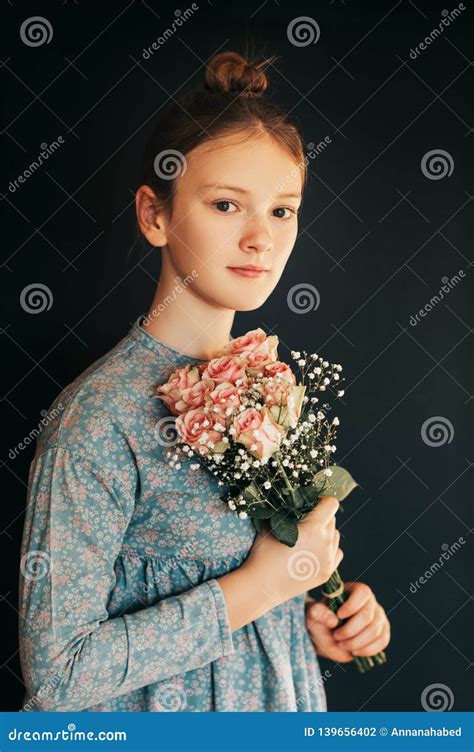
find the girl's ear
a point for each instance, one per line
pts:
(151, 221)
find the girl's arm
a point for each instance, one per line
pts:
(72, 654)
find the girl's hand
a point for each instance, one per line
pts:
(366, 632)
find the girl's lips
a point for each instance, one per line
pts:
(247, 272)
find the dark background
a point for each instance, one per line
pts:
(377, 236)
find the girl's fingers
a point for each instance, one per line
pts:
(319, 613)
(376, 646)
(359, 593)
(356, 623)
(366, 636)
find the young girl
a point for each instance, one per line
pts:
(139, 589)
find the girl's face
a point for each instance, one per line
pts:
(228, 212)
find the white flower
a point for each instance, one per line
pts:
(295, 354)
(313, 453)
(267, 485)
(325, 363)
(311, 417)
(340, 392)
(326, 380)
(232, 505)
(243, 515)
(320, 415)
(317, 370)
(301, 362)
(327, 472)
(336, 376)
(323, 388)
(335, 421)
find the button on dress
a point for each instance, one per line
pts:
(120, 605)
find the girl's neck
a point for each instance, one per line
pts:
(186, 322)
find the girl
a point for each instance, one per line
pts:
(139, 589)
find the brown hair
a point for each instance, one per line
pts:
(231, 100)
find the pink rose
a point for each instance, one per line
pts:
(257, 427)
(223, 397)
(288, 414)
(181, 379)
(280, 369)
(194, 396)
(226, 368)
(246, 343)
(264, 354)
(196, 429)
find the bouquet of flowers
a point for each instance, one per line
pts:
(246, 418)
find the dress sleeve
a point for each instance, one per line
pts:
(72, 654)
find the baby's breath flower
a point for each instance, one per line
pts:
(327, 471)
(243, 515)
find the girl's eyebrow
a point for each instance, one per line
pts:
(242, 190)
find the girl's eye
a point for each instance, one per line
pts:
(286, 208)
(224, 204)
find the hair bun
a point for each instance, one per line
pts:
(229, 71)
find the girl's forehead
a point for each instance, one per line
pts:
(246, 165)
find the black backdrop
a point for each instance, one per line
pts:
(384, 227)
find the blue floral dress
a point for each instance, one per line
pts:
(120, 606)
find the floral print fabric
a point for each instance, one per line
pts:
(120, 606)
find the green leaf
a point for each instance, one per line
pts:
(339, 484)
(257, 523)
(260, 511)
(252, 494)
(284, 528)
